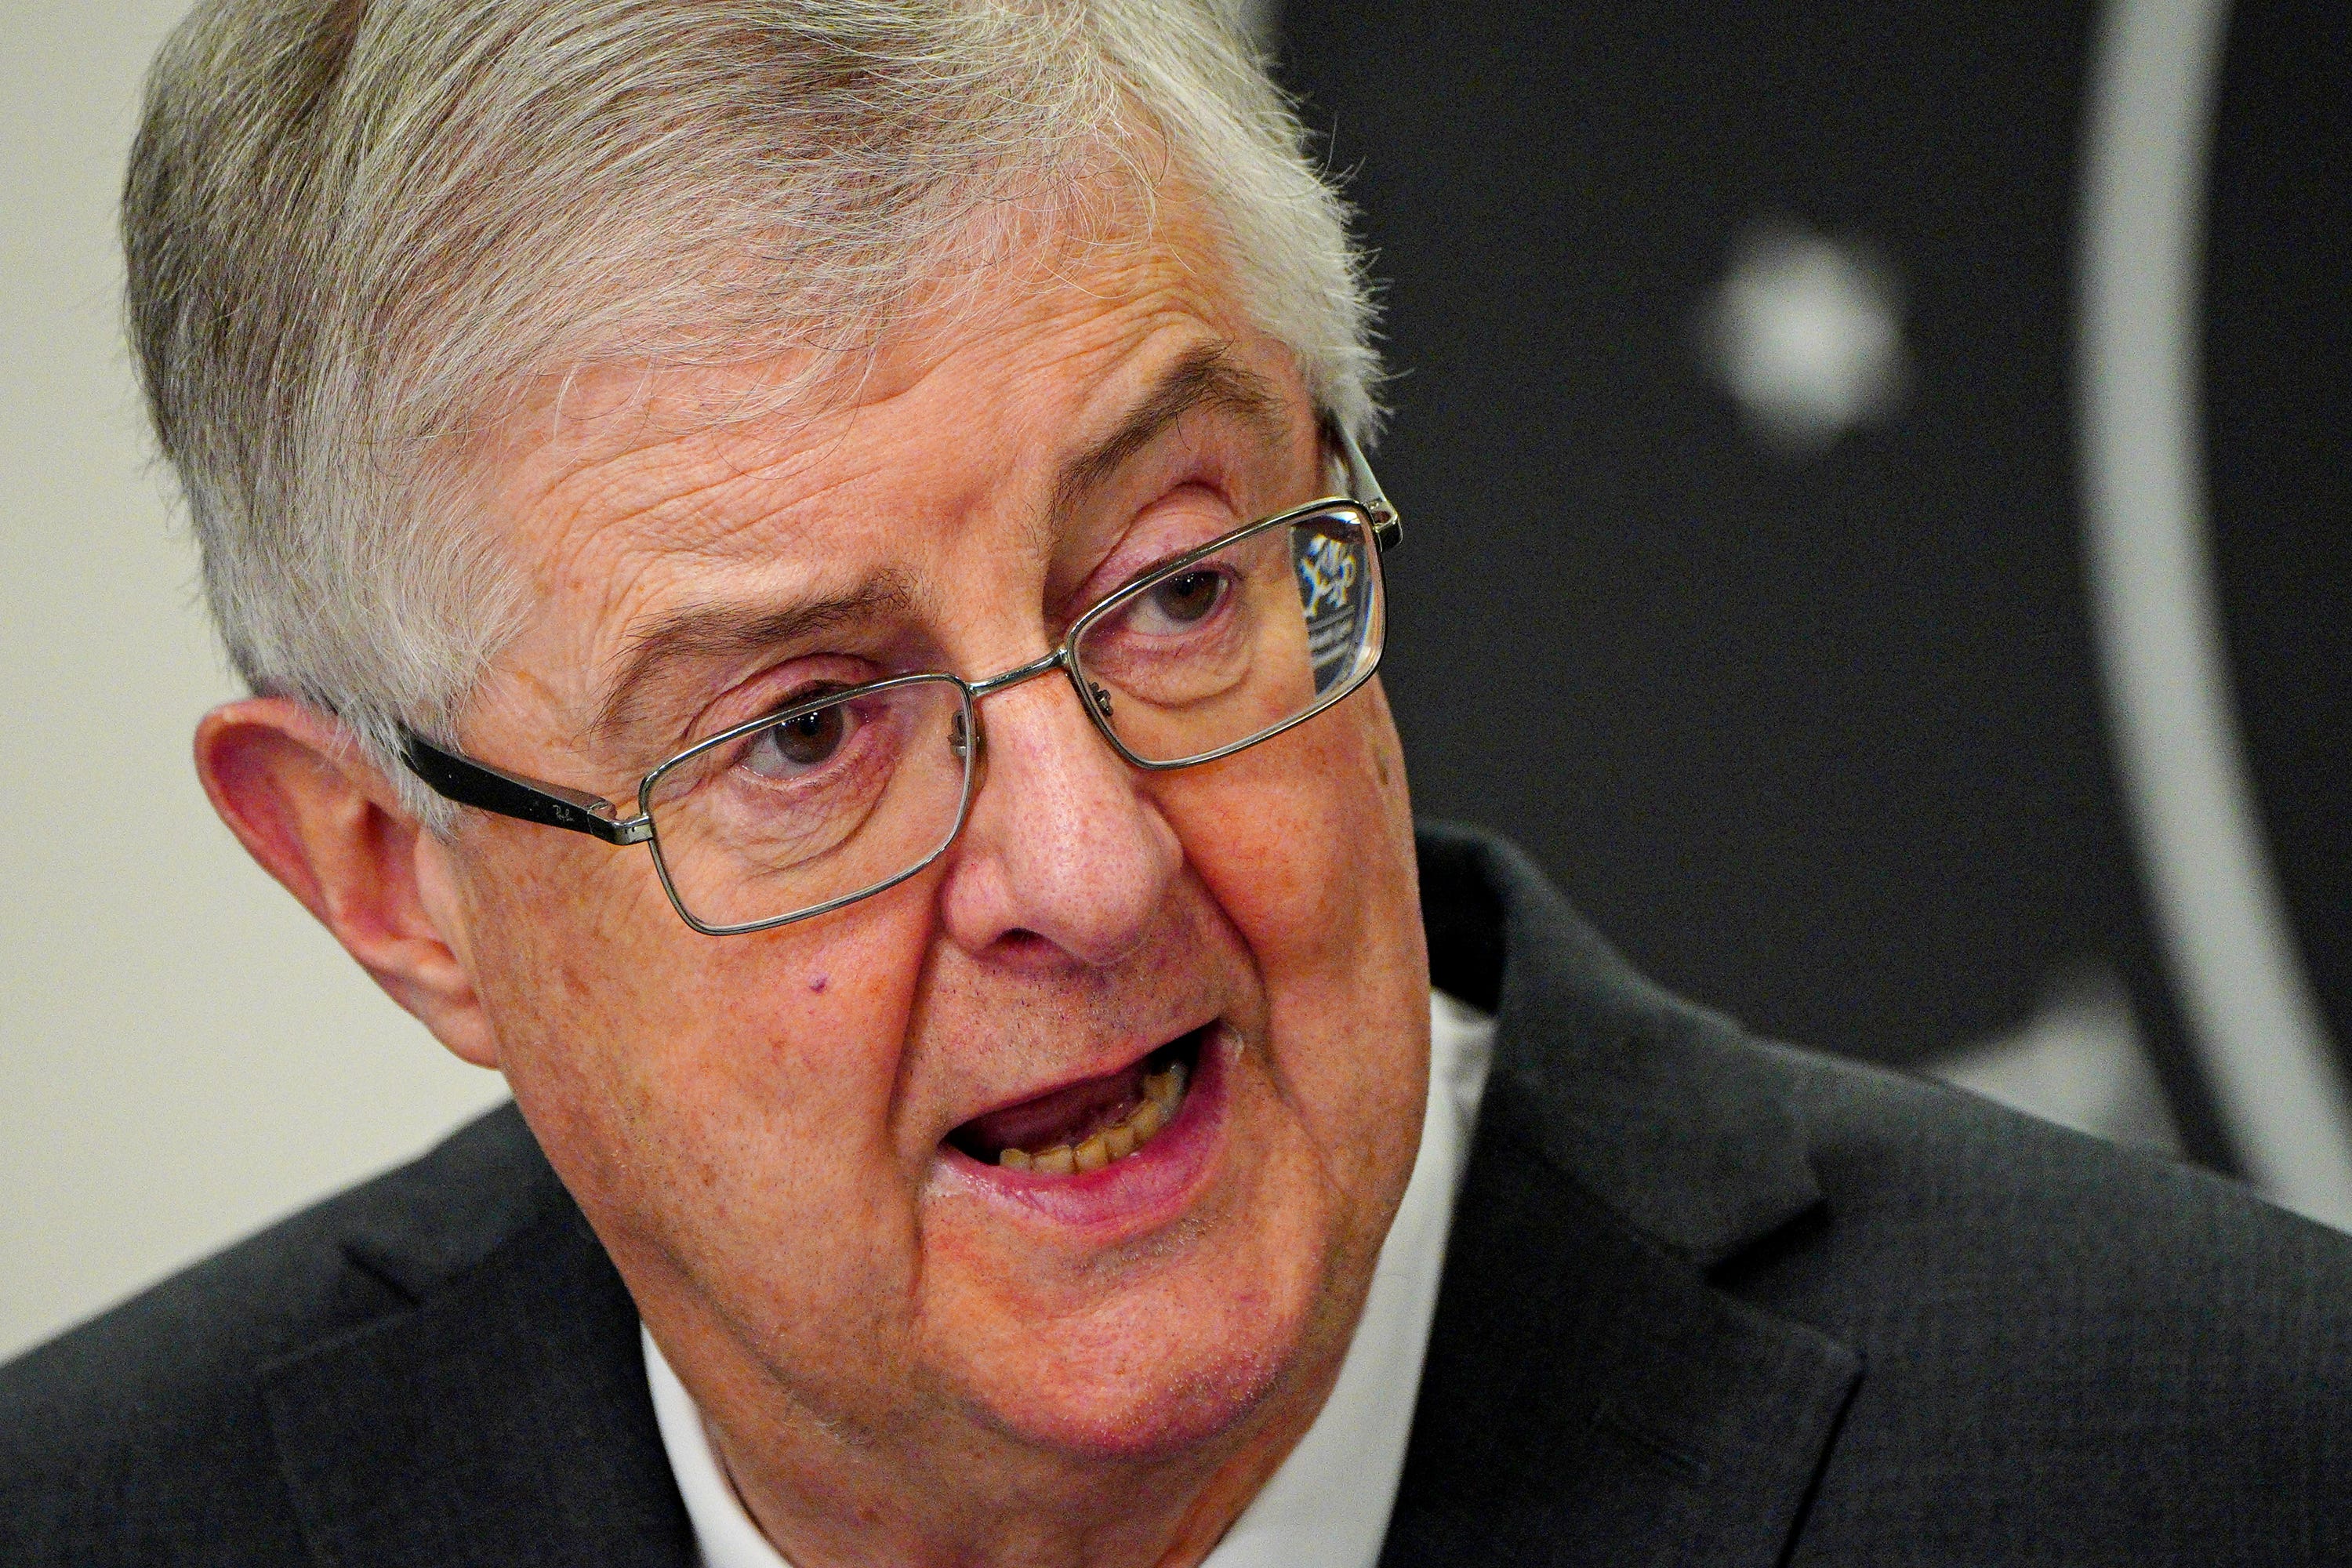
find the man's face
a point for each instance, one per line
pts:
(786, 1139)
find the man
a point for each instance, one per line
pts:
(978, 1093)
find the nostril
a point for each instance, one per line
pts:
(1022, 943)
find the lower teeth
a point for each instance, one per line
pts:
(1162, 1092)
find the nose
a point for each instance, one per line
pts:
(1063, 858)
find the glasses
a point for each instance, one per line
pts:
(850, 790)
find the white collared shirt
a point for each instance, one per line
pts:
(1327, 1506)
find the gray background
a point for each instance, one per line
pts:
(183, 1053)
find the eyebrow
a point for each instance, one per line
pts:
(1203, 377)
(730, 631)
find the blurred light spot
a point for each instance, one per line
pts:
(1806, 334)
(2079, 1062)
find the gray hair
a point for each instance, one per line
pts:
(352, 226)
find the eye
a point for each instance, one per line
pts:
(1183, 600)
(800, 744)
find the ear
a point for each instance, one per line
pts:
(305, 802)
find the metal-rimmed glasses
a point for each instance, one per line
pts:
(849, 790)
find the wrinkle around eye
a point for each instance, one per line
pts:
(1152, 541)
(672, 673)
(777, 689)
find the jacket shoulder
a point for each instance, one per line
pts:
(142, 1434)
(2065, 1342)
(1902, 1159)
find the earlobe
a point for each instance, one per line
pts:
(308, 807)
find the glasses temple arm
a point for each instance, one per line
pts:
(1388, 528)
(468, 783)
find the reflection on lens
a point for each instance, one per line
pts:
(1213, 654)
(1331, 570)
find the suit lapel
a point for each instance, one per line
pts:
(502, 1419)
(1590, 1399)
(1590, 1395)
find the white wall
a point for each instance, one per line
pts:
(183, 1054)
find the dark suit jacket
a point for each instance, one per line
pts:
(1708, 1301)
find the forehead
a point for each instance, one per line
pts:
(665, 450)
(621, 494)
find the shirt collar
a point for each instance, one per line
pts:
(1327, 1506)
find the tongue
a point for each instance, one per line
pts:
(1066, 1116)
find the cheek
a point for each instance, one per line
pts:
(1307, 842)
(717, 1104)
(1308, 849)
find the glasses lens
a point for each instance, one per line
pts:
(1214, 653)
(822, 801)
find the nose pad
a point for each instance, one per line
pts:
(960, 738)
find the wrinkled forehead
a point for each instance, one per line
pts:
(623, 496)
(1031, 311)
(1056, 302)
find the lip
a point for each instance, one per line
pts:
(1139, 1191)
(1128, 1062)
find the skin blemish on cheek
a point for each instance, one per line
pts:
(817, 981)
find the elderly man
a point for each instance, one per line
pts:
(813, 596)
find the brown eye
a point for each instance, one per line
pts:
(806, 741)
(1187, 596)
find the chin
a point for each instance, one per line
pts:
(1177, 1344)
(1133, 1406)
(1170, 1357)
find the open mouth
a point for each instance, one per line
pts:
(1089, 1125)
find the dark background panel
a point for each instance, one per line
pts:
(2278, 376)
(1816, 737)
